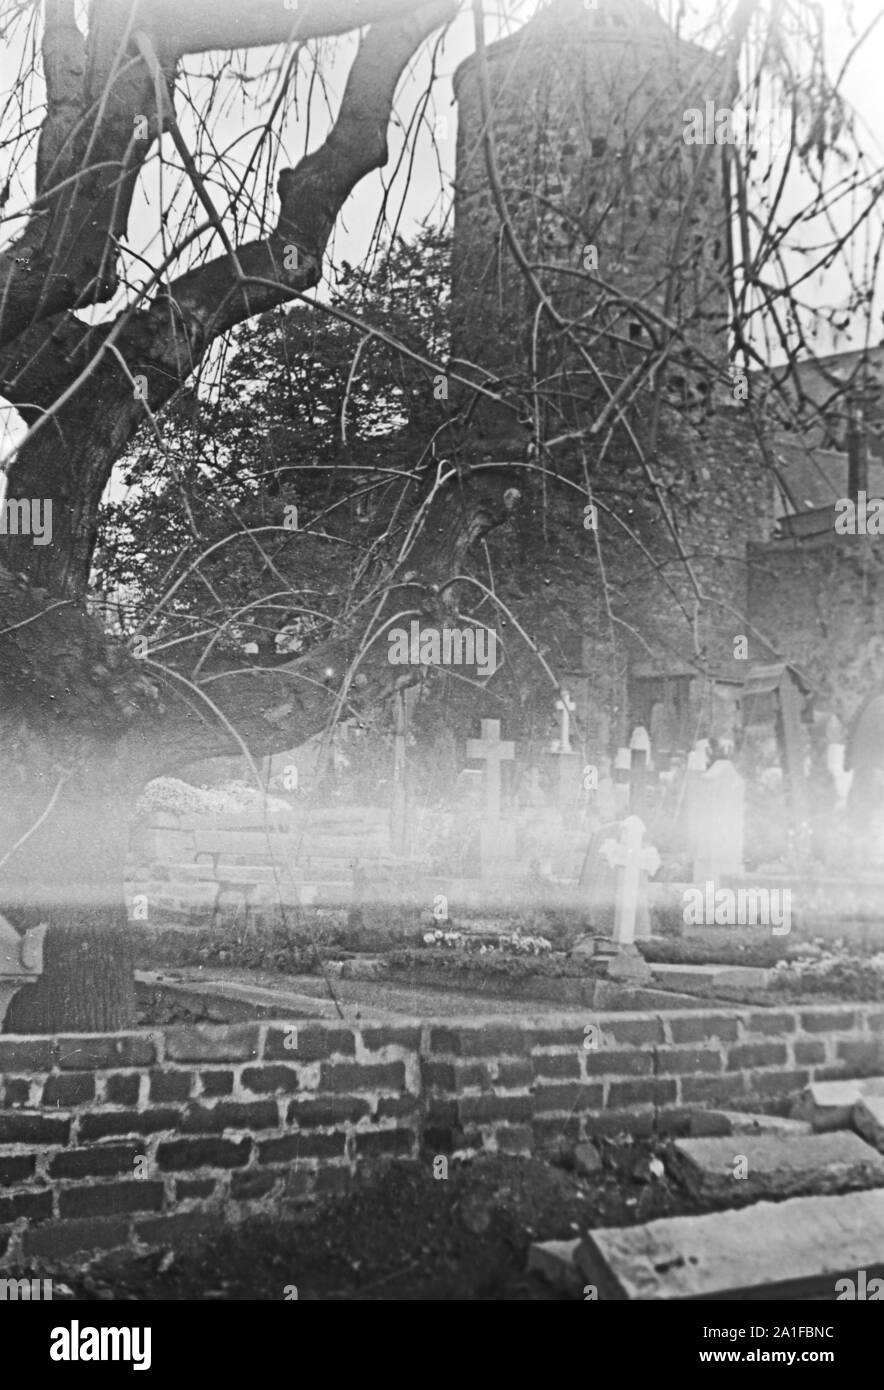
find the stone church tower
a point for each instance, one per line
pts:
(623, 225)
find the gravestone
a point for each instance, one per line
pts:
(716, 821)
(568, 765)
(496, 837)
(620, 898)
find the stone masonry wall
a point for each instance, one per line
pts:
(142, 1139)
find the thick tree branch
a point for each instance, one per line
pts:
(167, 342)
(96, 139)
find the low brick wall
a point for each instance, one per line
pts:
(142, 1139)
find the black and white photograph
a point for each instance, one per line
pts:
(441, 667)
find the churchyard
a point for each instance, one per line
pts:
(564, 1038)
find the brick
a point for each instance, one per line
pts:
(315, 1044)
(687, 1061)
(62, 1238)
(810, 1053)
(485, 1109)
(444, 1112)
(100, 1053)
(203, 1153)
(624, 1093)
(228, 1114)
(515, 1139)
(251, 1185)
(828, 1021)
(549, 1132)
(268, 1079)
(757, 1055)
(211, 1043)
(170, 1085)
(866, 1056)
(605, 1063)
(187, 1189)
(638, 1121)
(439, 1074)
(386, 1141)
(349, 1076)
(294, 1146)
(28, 1056)
(23, 1127)
(569, 1096)
(110, 1199)
(472, 1074)
(17, 1091)
(495, 1039)
(394, 1107)
(179, 1229)
(33, 1206)
(711, 1089)
(440, 1139)
(775, 1083)
(637, 1031)
(566, 1035)
(17, 1168)
(697, 1028)
(768, 1021)
(78, 1089)
(122, 1088)
(519, 1073)
(99, 1123)
(392, 1035)
(99, 1161)
(217, 1083)
(327, 1110)
(791, 1250)
(556, 1064)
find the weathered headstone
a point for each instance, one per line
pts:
(717, 822)
(632, 862)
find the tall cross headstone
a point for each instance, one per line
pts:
(492, 750)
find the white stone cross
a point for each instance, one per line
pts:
(630, 860)
(566, 708)
(493, 752)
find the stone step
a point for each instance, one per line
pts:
(743, 1168)
(829, 1104)
(797, 1249)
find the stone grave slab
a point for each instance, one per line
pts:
(708, 1123)
(775, 1165)
(773, 1250)
(829, 1104)
(712, 976)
